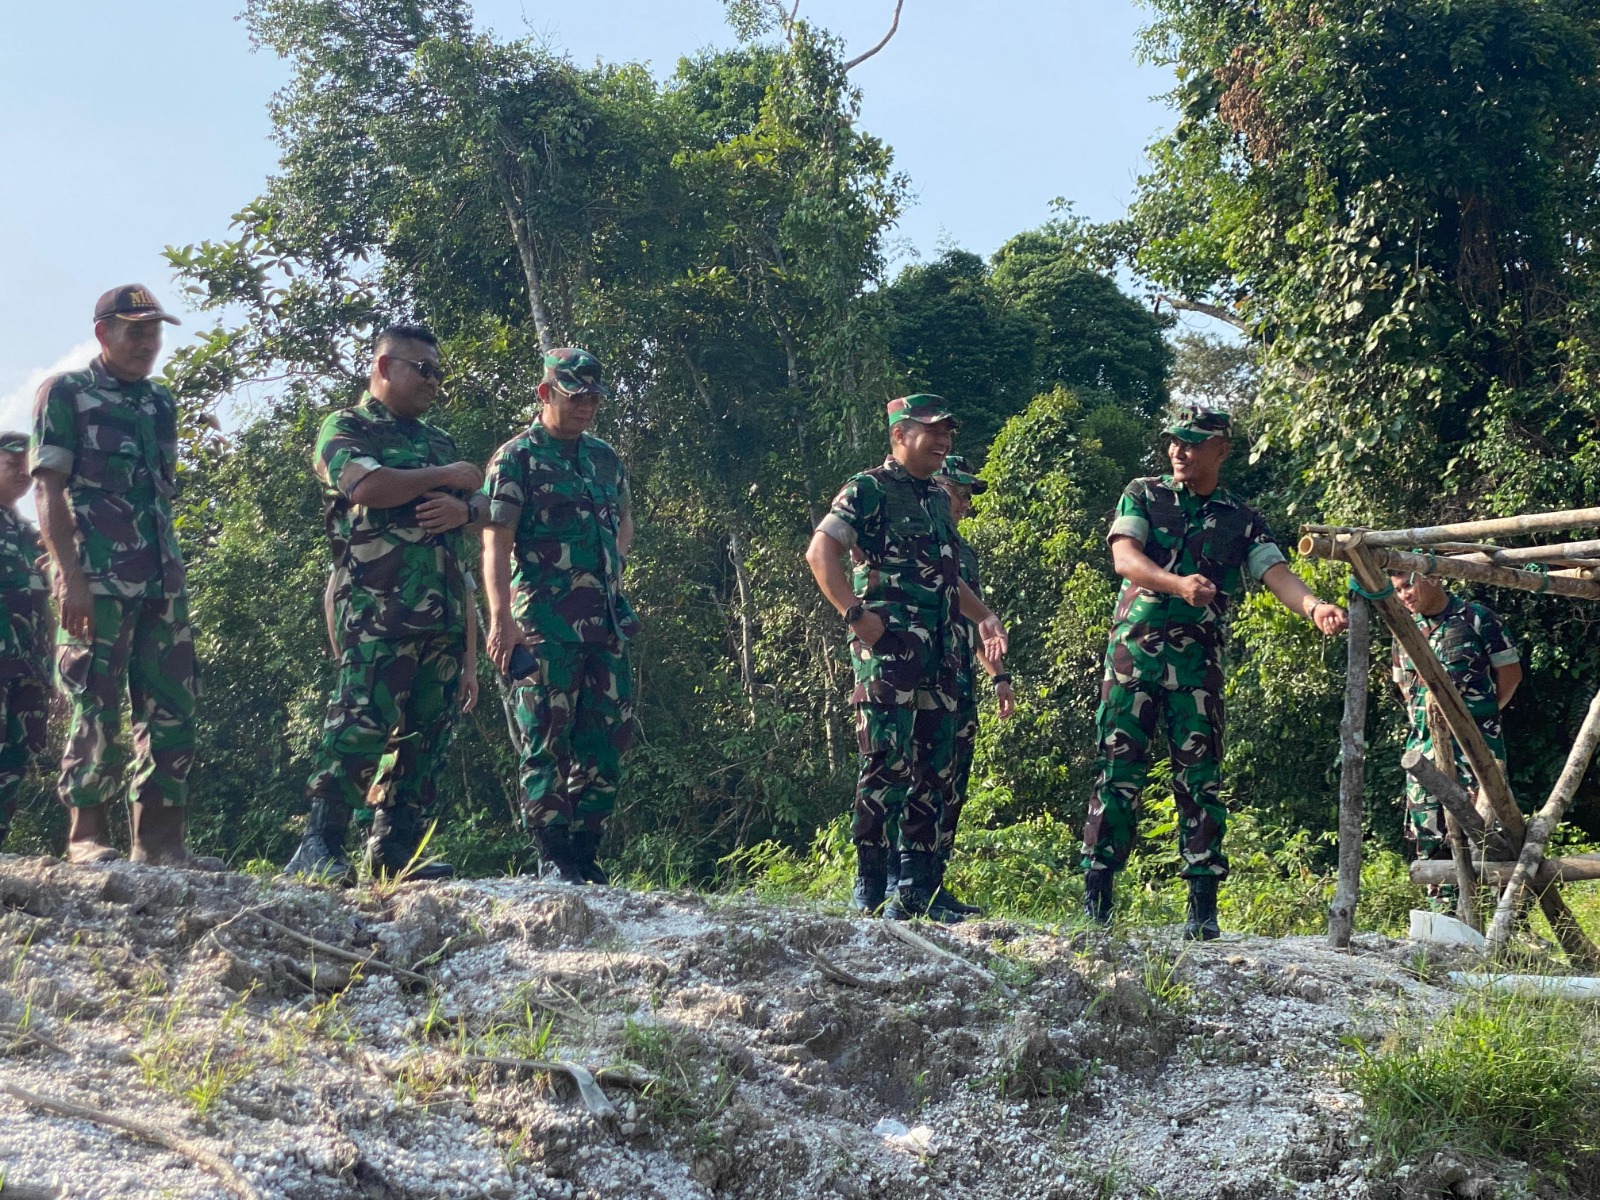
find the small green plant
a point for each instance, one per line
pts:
(681, 1091)
(199, 1069)
(1163, 981)
(1498, 1075)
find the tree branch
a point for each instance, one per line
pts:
(1211, 310)
(893, 26)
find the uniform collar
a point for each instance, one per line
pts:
(377, 410)
(104, 379)
(1221, 496)
(1452, 605)
(896, 471)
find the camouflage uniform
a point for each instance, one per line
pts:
(117, 443)
(1470, 643)
(565, 500)
(401, 599)
(902, 540)
(24, 654)
(1164, 659)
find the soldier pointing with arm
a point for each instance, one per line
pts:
(1183, 546)
(901, 609)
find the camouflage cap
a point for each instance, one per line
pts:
(12, 442)
(1191, 423)
(920, 407)
(573, 371)
(131, 302)
(956, 470)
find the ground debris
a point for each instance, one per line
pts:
(514, 1038)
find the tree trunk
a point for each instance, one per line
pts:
(747, 624)
(1352, 774)
(1444, 761)
(511, 201)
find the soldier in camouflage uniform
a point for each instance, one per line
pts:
(24, 632)
(398, 497)
(901, 608)
(960, 485)
(104, 455)
(560, 527)
(1183, 546)
(1485, 667)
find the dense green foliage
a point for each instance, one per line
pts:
(1394, 202)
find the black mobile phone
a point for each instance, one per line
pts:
(524, 662)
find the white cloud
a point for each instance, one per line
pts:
(16, 406)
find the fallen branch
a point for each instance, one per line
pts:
(839, 975)
(339, 952)
(156, 1135)
(1577, 868)
(911, 937)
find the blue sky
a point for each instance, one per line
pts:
(126, 128)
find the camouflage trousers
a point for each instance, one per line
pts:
(966, 742)
(143, 649)
(575, 714)
(1127, 717)
(24, 715)
(1424, 815)
(394, 703)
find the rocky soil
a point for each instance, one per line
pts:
(513, 1038)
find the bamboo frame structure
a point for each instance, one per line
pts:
(1497, 846)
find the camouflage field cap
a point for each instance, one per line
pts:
(921, 407)
(573, 371)
(131, 302)
(12, 442)
(1195, 424)
(956, 470)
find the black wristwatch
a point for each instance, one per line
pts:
(854, 613)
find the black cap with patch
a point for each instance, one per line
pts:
(131, 302)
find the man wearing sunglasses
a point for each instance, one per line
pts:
(397, 498)
(560, 526)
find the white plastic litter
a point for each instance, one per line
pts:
(918, 1139)
(1560, 987)
(1442, 930)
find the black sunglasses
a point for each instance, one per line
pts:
(428, 370)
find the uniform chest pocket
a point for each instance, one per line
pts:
(556, 515)
(401, 455)
(110, 472)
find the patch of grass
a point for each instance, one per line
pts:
(685, 1089)
(1500, 1076)
(1163, 981)
(199, 1068)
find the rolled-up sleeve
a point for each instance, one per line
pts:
(1133, 516)
(53, 440)
(502, 483)
(848, 514)
(342, 458)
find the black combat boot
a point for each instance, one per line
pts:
(919, 877)
(392, 845)
(872, 879)
(557, 854)
(321, 852)
(946, 906)
(584, 843)
(1097, 898)
(1202, 923)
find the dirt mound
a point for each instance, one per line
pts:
(514, 1038)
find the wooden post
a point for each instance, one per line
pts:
(1352, 774)
(1542, 826)
(1444, 761)
(1449, 793)
(1574, 868)
(1494, 793)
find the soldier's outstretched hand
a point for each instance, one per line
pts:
(994, 637)
(1331, 619)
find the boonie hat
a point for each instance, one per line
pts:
(131, 302)
(573, 371)
(956, 470)
(1194, 424)
(920, 407)
(12, 442)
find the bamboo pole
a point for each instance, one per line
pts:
(1562, 552)
(1466, 531)
(1352, 774)
(1493, 789)
(1444, 759)
(1337, 546)
(1576, 868)
(1448, 792)
(1543, 825)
